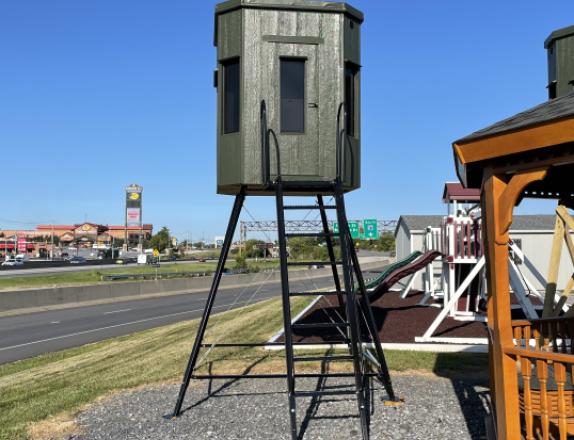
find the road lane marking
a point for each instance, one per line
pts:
(117, 311)
(109, 327)
(55, 322)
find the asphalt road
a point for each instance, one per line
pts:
(30, 335)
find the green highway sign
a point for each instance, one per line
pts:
(365, 230)
(354, 229)
(371, 229)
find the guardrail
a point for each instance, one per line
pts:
(172, 275)
(153, 276)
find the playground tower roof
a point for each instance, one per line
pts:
(455, 191)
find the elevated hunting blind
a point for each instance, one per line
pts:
(288, 66)
(560, 47)
(288, 124)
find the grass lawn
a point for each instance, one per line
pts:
(60, 383)
(95, 276)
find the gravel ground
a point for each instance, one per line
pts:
(434, 408)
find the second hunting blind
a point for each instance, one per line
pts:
(289, 66)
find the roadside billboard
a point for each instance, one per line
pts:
(133, 216)
(134, 205)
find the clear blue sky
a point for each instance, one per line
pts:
(97, 95)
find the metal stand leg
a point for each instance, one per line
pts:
(286, 308)
(239, 199)
(332, 257)
(354, 330)
(369, 316)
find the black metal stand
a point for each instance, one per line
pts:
(354, 309)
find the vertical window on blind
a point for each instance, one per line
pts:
(231, 96)
(351, 72)
(292, 95)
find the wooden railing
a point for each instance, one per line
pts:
(544, 355)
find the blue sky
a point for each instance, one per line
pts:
(97, 95)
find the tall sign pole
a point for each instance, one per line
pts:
(133, 217)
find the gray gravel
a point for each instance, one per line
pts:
(434, 408)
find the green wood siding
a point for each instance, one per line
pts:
(261, 37)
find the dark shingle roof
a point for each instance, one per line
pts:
(557, 34)
(420, 222)
(298, 5)
(520, 223)
(554, 109)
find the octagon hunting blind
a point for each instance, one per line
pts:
(302, 59)
(288, 123)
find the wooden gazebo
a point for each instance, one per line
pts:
(531, 361)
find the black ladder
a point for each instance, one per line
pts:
(354, 308)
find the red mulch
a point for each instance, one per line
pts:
(399, 321)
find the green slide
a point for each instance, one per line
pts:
(391, 268)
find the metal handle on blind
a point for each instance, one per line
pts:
(265, 154)
(342, 140)
(339, 145)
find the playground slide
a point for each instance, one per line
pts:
(391, 268)
(416, 264)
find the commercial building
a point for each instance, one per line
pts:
(81, 234)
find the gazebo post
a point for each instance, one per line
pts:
(505, 393)
(498, 200)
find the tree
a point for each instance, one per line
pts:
(386, 242)
(240, 263)
(160, 241)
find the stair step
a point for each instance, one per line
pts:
(318, 293)
(335, 357)
(306, 207)
(320, 325)
(323, 393)
(313, 263)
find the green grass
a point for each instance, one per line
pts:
(95, 276)
(60, 383)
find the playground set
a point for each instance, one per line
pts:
(461, 289)
(288, 83)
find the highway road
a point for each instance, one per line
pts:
(30, 335)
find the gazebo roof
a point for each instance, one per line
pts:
(545, 130)
(549, 111)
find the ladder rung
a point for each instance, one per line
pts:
(320, 325)
(312, 263)
(336, 357)
(311, 234)
(323, 393)
(318, 293)
(309, 207)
